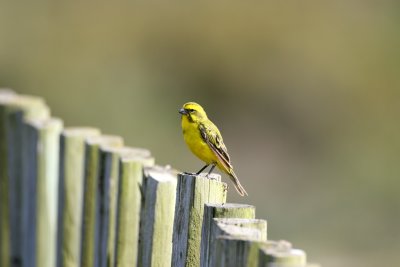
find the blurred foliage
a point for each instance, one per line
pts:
(306, 94)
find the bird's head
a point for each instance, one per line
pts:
(193, 111)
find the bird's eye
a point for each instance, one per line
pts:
(191, 110)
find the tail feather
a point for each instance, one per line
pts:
(239, 188)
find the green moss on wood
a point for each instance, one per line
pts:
(192, 193)
(157, 216)
(281, 254)
(46, 138)
(211, 211)
(91, 179)
(129, 205)
(73, 155)
(236, 251)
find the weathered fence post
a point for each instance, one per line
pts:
(211, 211)
(256, 229)
(233, 241)
(108, 198)
(70, 204)
(129, 205)
(281, 254)
(41, 162)
(193, 191)
(235, 251)
(157, 217)
(115, 208)
(5, 98)
(91, 206)
(15, 109)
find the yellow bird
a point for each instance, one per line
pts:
(205, 141)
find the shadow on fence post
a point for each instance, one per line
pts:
(5, 98)
(14, 111)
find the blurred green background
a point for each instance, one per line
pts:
(305, 93)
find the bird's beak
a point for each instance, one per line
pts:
(183, 111)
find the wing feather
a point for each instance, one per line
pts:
(211, 135)
(213, 138)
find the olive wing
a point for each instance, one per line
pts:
(211, 135)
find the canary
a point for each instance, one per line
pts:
(205, 141)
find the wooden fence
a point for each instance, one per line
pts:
(75, 197)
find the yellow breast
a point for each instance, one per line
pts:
(195, 142)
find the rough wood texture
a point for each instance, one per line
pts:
(211, 211)
(193, 191)
(157, 218)
(14, 110)
(109, 195)
(129, 205)
(281, 254)
(70, 204)
(5, 98)
(91, 227)
(41, 168)
(236, 251)
(107, 200)
(241, 232)
(253, 228)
